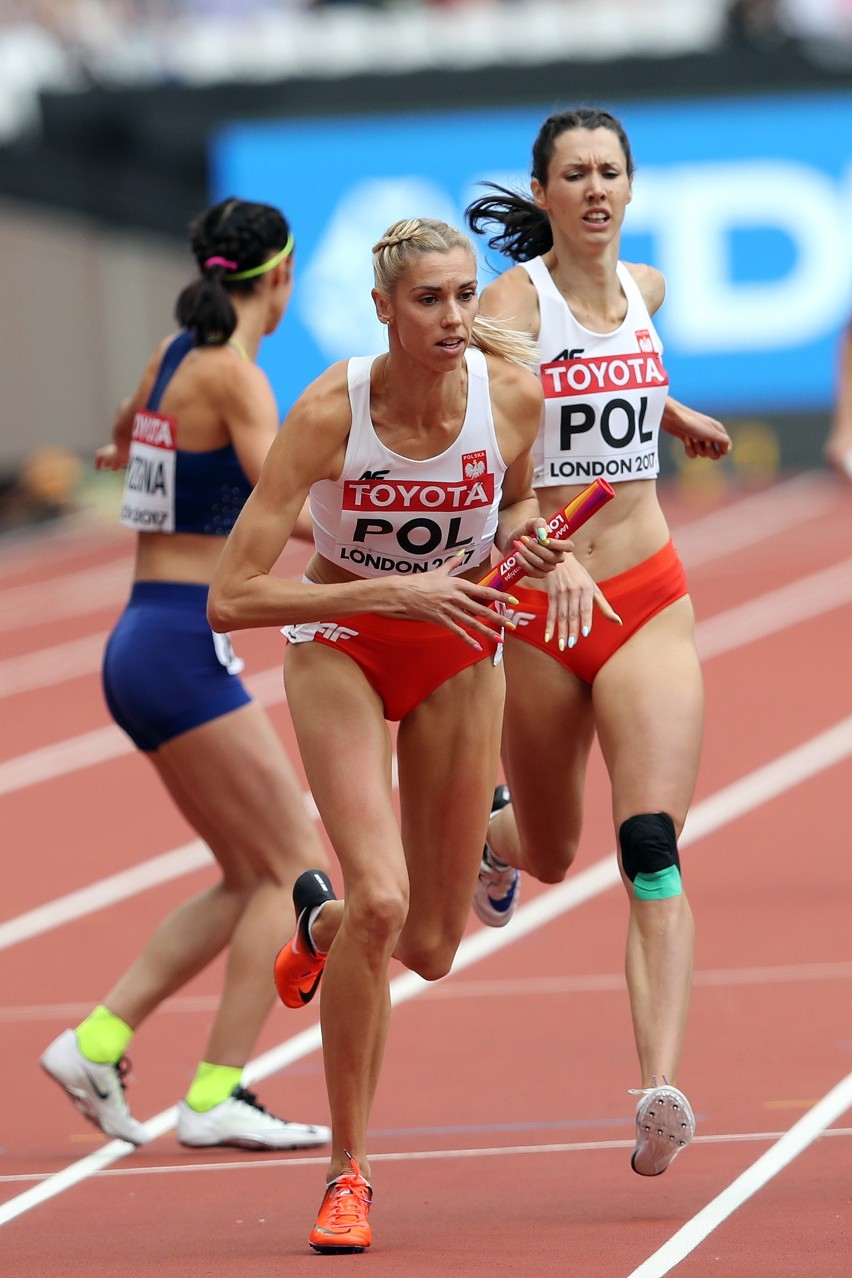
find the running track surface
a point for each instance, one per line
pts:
(503, 1127)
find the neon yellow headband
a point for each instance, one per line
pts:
(266, 266)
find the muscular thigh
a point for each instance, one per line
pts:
(448, 752)
(649, 710)
(548, 729)
(234, 783)
(346, 750)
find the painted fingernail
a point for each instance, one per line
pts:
(571, 641)
(548, 635)
(561, 645)
(513, 625)
(586, 630)
(541, 533)
(513, 600)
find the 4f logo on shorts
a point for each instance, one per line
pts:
(333, 633)
(518, 618)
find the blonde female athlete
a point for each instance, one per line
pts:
(193, 438)
(417, 461)
(637, 685)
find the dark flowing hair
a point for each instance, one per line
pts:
(231, 237)
(525, 228)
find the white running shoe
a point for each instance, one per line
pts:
(242, 1121)
(96, 1090)
(665, 1124)
(498, 888)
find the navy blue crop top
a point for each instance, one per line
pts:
(168, 489)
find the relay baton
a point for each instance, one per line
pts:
(563, 523)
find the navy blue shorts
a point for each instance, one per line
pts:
(164, 670)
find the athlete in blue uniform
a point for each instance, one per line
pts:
(638, 686)
(193, 438)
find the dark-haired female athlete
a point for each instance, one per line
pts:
(193, 438)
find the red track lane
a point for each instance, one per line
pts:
(502, 1128)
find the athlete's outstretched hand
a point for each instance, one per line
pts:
(702, 436)
(460, 605)
(108, 458)
(572, 596)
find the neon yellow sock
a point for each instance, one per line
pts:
(103, 1037)
(212, 1084)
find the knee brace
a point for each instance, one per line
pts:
(649, 856)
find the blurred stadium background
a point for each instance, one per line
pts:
(121, 119)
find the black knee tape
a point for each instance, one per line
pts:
(649, 853)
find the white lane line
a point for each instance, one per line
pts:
(792, 1143)
(47, 667)
(755, 518)
(31, 549)
(108, 891)
(750, 520)
(413, 1155)
(103, 744)
(73, 595)
(118, 887)
(789, 605)
(63, 757)
(717, 811)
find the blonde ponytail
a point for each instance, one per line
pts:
(496, 338)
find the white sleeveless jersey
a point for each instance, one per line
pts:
(387, 513)
(604, 393)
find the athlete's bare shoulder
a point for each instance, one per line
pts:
(325, 397)
(652, 284)
(516, 399)
(512, 298)
(321, 417)
(506, 377)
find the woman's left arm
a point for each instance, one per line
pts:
(702, 436)
(516, 401)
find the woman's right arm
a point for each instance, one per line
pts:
(113, 456)
(310, 447)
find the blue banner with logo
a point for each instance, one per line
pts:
(744, 204)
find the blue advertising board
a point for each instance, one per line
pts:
(744, 204)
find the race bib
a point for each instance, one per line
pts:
(148, 502)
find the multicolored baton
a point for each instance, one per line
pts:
(563, 523)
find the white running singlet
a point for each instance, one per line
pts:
(388, 513)
(604, 393)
